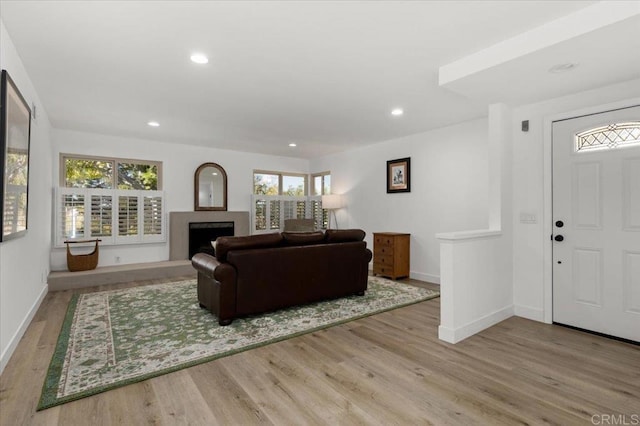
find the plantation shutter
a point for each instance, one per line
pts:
(295, 208)
(319, 214)
(301, 209)
(268, 212)
(114, 216)
(71, 210)
(101, 215)
(127, 215)
(288, 209)
(274, 214)
(153, 225)
(259, 207)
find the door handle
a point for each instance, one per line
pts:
(559, 224)
(558, 238)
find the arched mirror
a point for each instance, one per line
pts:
(210, 188)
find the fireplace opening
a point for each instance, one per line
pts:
(202, 234)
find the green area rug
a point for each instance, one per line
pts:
(114, 338)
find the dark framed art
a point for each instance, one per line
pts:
(15, 132)
(399, 175)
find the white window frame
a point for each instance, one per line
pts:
(282, 199)
(313, 182)
(140, 237)
(115, 161)
(280, 179)
(325, 215)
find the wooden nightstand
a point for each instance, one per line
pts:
(391, 253)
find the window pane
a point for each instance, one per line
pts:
(265, 184)
(317, 185)
(293, 185)
(88, 173)
(15, 196)
(607, 137)
(326, 189)
(137, 176)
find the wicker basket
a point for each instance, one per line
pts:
(82, 262)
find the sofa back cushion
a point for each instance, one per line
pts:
(344, 235)
(226, 244)
(272, 278)
(303, 238)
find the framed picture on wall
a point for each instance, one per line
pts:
(399, 175)
(15, 131)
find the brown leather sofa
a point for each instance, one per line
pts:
(261, 273)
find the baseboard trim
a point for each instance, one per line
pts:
(446, 334)
(528, 312)
(13, 343)
(430, 278)
(456, 335)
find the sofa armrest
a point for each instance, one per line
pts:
(213, 268)
(368, 255)
(216, 286)
(205, 263)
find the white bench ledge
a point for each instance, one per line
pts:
(468, 235)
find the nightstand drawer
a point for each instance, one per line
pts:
(383, 250)
(383, 260)
(386, 241)
(382, 269)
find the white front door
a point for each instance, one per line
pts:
(596, 222)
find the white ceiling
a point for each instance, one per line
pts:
(324, 75)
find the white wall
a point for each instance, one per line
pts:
(449, 189)
(532, 186)
(24, 262)
(476, 289)
(477, 271)
(179, 163)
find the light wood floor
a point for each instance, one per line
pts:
(385, 369)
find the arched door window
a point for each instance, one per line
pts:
(610, 136)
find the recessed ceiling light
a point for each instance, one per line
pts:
(199, 58)
(214, 173)
(292, 145)
(397, 111)
(556, 69)
(153, 124)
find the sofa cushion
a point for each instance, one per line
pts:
(226, 244)
(344, 235)
(303, 238)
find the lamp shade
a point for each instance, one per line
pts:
(332, 202)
